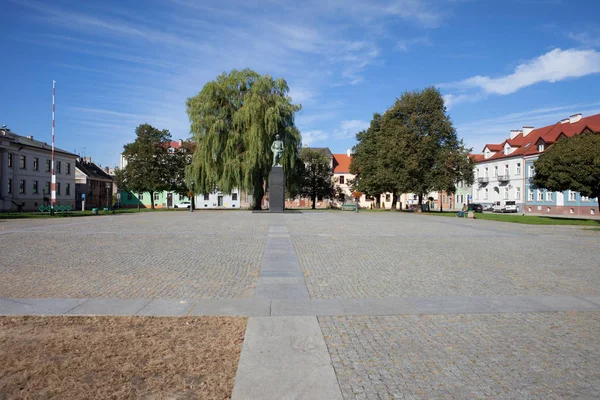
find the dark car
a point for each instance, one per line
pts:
(476, 207)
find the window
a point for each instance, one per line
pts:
(234, 196)
(9, 185)
(156, 196)
(47, 188)
(68, 189)
(477, 194)
(486, 172)
(47, 165)
(141, 196)
(477, 173)
(541, 147)
(68, 168)
(585, 198)
(496, 171)
(57, 188)
(485, 194)
(387, 197)
(518, 194)
(181, 197)
(10, 160)
(36, 164)
(572, 195)
(206, 196)
(58, 167)
(518, 169)
(506, 170)
(22, 161)
(540, 196)
(457, 197)
(531, 171)
(571, 211)
(505, 193)
(21, 186)
(530, 194)
(341, 180)
(548, 195)
(35, 187)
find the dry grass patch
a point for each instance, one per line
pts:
(119, 357)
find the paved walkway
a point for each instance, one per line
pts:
(367, 306)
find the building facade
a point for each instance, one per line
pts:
(25, 173)
(504, 171)
(93, 185)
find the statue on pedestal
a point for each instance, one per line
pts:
(277, 149)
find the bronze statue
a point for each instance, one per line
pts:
(277, 149)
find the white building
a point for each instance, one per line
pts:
(25, 173)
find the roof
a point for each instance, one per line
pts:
(92, 170)
(526, 145)
(324, 150)
(341, 163)
(476, 157)
(26, 141)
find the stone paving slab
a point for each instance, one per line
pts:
(307, 308)
(285, 358)
(232, 307)
(38, 306)
(167, 307)
(120, 307)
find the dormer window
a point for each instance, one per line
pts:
(171, 150)
(541, 147)
(507, 149)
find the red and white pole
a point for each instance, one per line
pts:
(53, 184)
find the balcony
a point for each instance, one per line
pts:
(483, 179)
(503, 178)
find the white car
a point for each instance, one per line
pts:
(183, 204)
(509, 206)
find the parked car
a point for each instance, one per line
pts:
(508, 206)
(488, 207)
(183, 204)
(476, 207)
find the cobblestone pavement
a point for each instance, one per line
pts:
(483, 356)
(374, 255)
(148, 255)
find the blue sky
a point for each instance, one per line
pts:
(501, 64)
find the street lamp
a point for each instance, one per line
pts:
(107, 185)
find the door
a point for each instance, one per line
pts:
(220, 201)
(169, 200)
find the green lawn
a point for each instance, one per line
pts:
(525, 219)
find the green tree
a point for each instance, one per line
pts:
(148, 162)
(234, 120)
(571, 164)
(317, 180)
(412, 148)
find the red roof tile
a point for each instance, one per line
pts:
(341, 164)
(526, 145)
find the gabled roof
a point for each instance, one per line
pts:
(476, 157)
(526, 145)
(341, 163)
(494, 147)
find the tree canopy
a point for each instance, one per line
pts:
(316, 181)
(234, 120)
(571, 164)
(412, 148)
(148, 166)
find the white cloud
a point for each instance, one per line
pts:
(450, 100)
(554, 66)
(586, 39)
(405, 44)
(310, 137)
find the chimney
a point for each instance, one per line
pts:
(527, 130)
(180, 142)
(564, 121)
(87, 159)
(29, 137)
(107, 170)
(514, 133)
(348, 153)
(575, 118)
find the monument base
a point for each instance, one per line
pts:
(276, 189)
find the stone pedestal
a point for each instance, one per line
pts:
(276, 190)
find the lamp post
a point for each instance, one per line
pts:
(107, 185)
(191, 195)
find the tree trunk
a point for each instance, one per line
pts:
(258, 193)
(441, 202)
(420, 209)
(139, 201)
(378, 201)
(152, 200)
(313, 199)
(394, 200)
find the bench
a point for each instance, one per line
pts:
(349, 207)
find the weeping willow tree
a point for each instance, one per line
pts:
(234, 120)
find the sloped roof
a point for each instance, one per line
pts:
(526, 145)
(92, 171)
(341, 163)
(25, 141)
(476, 157)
